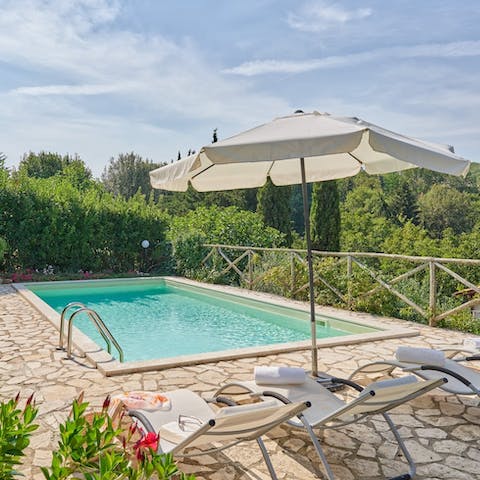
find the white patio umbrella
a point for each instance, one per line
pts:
(303, 148)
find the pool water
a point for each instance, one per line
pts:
(165, 319)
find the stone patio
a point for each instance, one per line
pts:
(442, 431)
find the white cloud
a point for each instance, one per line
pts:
(81, 69)
(321, 15)
(436, 50)
(70, 89)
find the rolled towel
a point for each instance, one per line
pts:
(279, 375)
(472, 342)
(422, 356)
(394, 382)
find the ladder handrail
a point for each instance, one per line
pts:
(99, 325)
(93, 320)
(62, 321)
(107, 331)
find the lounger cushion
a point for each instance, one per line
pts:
(422, 356)
(394, 382)
(225, 411)
(174, 433)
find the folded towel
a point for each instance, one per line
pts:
(422, 356)
(279, 375)
(472, 342)
(394, 382)
(141, 400)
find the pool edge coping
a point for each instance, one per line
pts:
(109, 366)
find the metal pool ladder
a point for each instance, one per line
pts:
(97, 322)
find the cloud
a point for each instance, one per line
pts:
(70, 89)
(435, 50)
(321, 15)
(83, 82)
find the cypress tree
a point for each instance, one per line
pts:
(273, 204)
(325, 217)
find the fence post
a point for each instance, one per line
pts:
(349, 281)
(250, 270)
(292, 274)
(432, 300)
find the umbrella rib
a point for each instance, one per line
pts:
(355, 158)
(270, 168)
(203, 171)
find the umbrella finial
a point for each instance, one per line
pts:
(299, 111)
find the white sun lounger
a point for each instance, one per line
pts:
(462, 380)
(191, 422)
(329, 411)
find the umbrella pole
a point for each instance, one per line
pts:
(313, 324)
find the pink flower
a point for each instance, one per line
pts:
(150, 441)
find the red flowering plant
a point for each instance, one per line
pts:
(16, 428)
(102, 445)
(22, 276)
(148, 443)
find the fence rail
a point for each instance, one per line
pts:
(240, 261)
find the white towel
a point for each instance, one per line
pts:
(472, 342)
(422, 356)
(279, 375)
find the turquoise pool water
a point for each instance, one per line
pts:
(161, 319)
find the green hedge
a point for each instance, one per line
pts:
(51, 222)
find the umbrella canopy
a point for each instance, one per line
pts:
(333, 147)
(303, 148)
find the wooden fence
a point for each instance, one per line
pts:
(239, 261)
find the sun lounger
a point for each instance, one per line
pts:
(192, 422)
(430, 364)
(329, 411)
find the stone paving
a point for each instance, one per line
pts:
(442, 431)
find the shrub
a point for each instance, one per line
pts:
(51, 222)
(16, 427)
(229, 226)
(3, 248)
(93, 447)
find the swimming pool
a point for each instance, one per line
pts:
(161, 318)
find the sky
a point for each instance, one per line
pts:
(102, 77)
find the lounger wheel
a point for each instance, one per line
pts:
(405, 476)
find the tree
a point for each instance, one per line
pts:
(273, 204)
(325, 216)
(179, 203)
(48, 164)
(445, 207)
(41, 165)
(363, 217)
(401, 202)
(128, 174)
